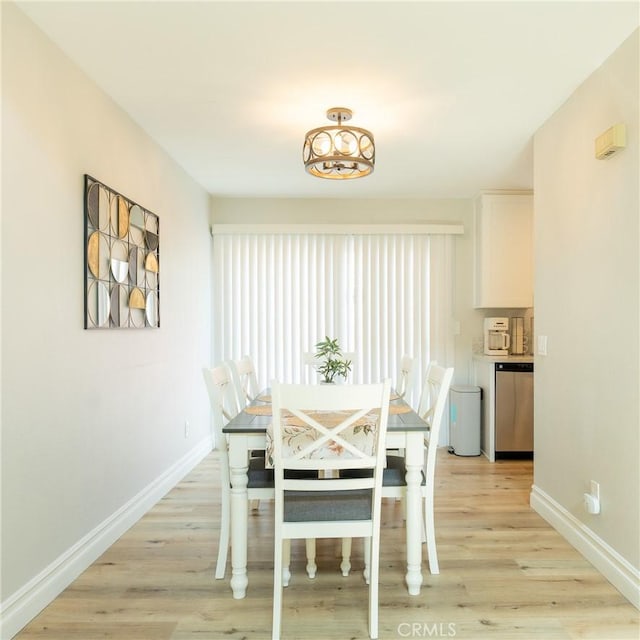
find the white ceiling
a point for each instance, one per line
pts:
(452, 91)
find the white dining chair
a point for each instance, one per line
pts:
(433, 400)
(404, 382)
(328, 506)
(245, 380)
(222, 399)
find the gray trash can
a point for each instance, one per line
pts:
(464, 420)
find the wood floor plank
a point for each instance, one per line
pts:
(505, 574)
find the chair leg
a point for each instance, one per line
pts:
(367, 560)
(255, 505)
(223, 544)
(430, 530)
(310, 544)
(374, 563)
(286, 561)
(277, 588)
(345, 565)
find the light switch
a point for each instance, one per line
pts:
(542, 345)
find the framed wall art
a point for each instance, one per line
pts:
(122, 261)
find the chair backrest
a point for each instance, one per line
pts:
(222, 398)
(405, 376)
(432, 404)
(428, 395)
(309, 358)
(245, 380)
(328, 428)
(310, 372)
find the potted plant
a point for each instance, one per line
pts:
(332, 360)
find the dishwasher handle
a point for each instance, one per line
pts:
(521, 367)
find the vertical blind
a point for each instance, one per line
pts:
(276, 295)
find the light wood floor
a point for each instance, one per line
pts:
(504, 574)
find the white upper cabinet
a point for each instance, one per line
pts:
(503, 227)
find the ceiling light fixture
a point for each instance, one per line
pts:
(339, 152)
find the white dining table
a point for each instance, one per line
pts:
(247, 432)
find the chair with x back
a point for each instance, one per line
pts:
(433, 400)
(223, 402)
(327, 429)
(405, 376)
(245, 380)
(404, 384)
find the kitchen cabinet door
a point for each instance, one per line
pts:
(503, 226)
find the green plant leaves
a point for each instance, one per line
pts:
(329, 351)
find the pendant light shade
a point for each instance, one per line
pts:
(339, 152)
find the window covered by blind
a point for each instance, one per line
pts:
(276, 295)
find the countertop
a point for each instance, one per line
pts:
(481, 357)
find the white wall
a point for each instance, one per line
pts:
(397, 211)
(92, 421)
(587, 302)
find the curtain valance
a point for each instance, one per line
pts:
(431, 228)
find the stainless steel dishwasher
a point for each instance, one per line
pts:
(514, 410)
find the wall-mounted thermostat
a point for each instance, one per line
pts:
(610, 141)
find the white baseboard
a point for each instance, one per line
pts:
(22, 606)
(618, 571)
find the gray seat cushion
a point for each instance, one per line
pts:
(258, 476)
(261, 478)
(304, 506)
(393, 475)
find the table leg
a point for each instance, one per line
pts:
(239, 517)
(414, 460)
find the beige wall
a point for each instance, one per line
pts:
(89, 418)
(587, 303)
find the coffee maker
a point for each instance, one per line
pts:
(496, 336)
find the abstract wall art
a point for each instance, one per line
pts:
(122, 261)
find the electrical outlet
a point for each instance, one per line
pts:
(186, 428)
(592, 499)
